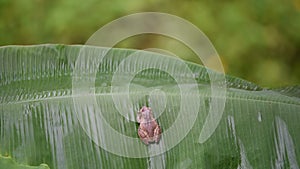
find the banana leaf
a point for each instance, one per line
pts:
(75, 107)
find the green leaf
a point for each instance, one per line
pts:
(8, 162)
(56, 102)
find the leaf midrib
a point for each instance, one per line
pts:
(231, 95)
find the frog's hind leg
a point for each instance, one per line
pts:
(157, 134)
(143, 136)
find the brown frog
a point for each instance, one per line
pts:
(149, 131)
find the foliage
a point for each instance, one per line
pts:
(8, 162)
(39, 122)
(257, 39)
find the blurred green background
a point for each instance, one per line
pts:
(258, 40)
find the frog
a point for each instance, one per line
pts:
(149, 131)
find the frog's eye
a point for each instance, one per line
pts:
(144, 108)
